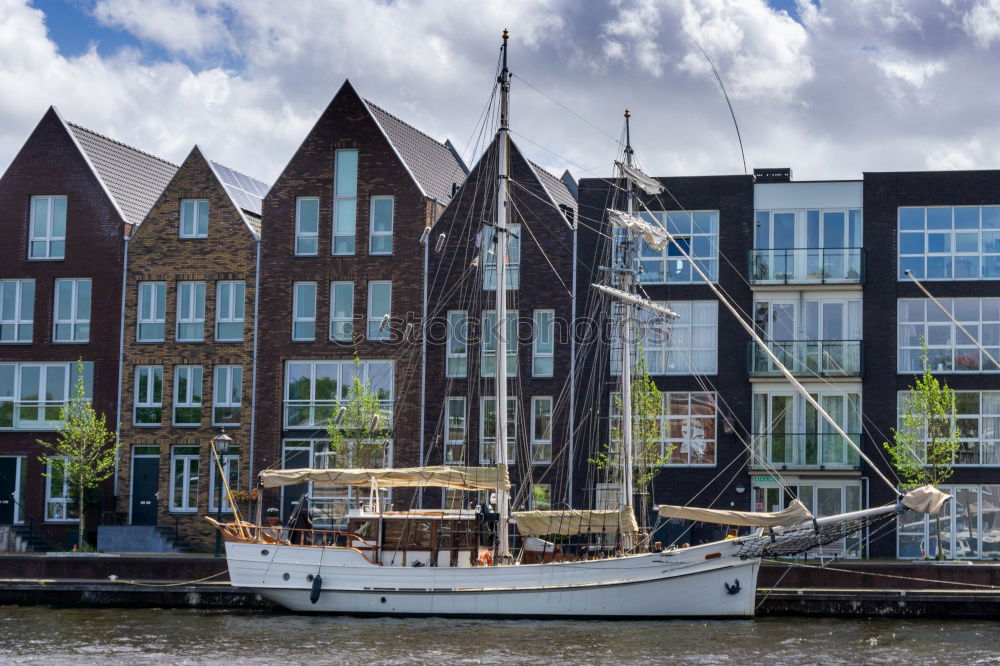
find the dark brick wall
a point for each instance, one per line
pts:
(49, 163)
(732, 196)
(157, 252)
(344, 124)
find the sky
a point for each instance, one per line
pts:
(830, 88)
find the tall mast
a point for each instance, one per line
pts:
(627, 274)
(503, 547)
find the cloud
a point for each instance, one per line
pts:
(982, 22)
(176, 25)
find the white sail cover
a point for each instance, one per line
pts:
(647, 184)
(795, 514)
(570, 522)
(655, 236)
(636, 300)
(459, 478)
(925, 499)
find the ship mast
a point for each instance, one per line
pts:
(627, 273)
(503, 500)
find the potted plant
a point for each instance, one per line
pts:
(272, 516)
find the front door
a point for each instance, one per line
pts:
(145, 484)
(8, 486)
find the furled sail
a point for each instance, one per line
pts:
(647, 184)
(654, 235)
(795, 514)
(570, 522)
(925, 499)
(636, 300)
(459, 478)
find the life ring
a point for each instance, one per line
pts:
(485, 559)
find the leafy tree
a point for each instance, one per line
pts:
(360, 436)
(84, 451)
(926, 443)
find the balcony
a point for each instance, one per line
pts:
(804, 450)
(839, 265)
(811, 358)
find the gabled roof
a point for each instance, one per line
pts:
(133, 178)
(434, 165)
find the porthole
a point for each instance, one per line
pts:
(383, 599)
(285, 576)
(264, 552)
(309, 578)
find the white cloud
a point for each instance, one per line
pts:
(982, 22)
(177, 25)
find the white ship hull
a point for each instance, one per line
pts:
(679, 583)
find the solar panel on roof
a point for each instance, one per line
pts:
(247, 192)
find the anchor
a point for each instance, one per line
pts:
(734, 588)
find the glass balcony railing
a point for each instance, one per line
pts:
(825, 358)
(837, 265)
(808, 450)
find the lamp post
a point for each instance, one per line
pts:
(221, 444)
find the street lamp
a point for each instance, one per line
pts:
(221, 444)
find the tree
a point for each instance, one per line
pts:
(359, 436)
(926, 443)
(84, 451)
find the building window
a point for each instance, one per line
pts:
(194, 218)
(977, 422)
(950, 243)
(306, 226)
(190, 311)
(152, 311)
(541, 429)
(314, 390)
(60, 506)
(686, 428)
(542, 345)
(379, 307)
(32, 395)
(687, 345)
(513, 272)
(48, 228)
(970, 521)
(345, 201)
(607, 497)
(184, 471)
(148, 395)
(17, 311)
(488, 430)
(789, 432)
(72, 311)
(228, 395)
(341, 311)
(455, 431)
(457, 345)
(231, 474)
(187, 395)
(807, 246)
(381, 225)
(229, 311)
(695, 231)
(541, 497)
(488, 335)
(304, 311)
(811, 335)
(948, 348)
(823, 497)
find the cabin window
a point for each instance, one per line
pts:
(345, 201)
(457, 364)
(341, 311)
(488, 362)
(304, 312)
(187, 395)
(17, 311)
(307, 226)
(542, 344)
(379, 306)
(148, 395)
(48, 228)
(455, 430)
(230, 299)
(152, 311)
(382, 209)
(190, 311)
(226, 403)
(194, 218)
(184, 477)
(513, 273)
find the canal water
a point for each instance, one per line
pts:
(75, 636)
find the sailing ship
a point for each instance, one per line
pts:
(461, 561)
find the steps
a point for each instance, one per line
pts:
(31, 539)
(140, 539)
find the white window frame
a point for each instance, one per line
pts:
(47, 235)
(196, 206)
(457, 344)
(681, 224)
(488, 403)
(488, 349)
(343, 372)
(145, 376)
(375, 318)
(187, 400)
(536, 441)
(302, 237)
(231, 469)
(664, 344)
(299, 319)
(235, 313)
(987, 242)
(48, 410)
(190, 459)
(151, 297)
(607, 496)
(542, 330)
(985, 441)
(455, 449)
(957, 354)
(231, 392)
(79, 325)
(341, 326)
(188, 313)
(64, 500)
(22, 324)
(513, 272)
(373, 233)
(344, 197)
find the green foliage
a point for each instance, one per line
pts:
(84, 451)
(361, 437)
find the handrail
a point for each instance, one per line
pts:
(839, 265)
(826, 358)
(794, 446)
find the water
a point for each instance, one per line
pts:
(109, 636)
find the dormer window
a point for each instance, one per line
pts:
(48, 228)
(194, 218)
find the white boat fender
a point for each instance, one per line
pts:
(317, 587)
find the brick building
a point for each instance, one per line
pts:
(67, 202)
(190, 301)
(343, 252)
